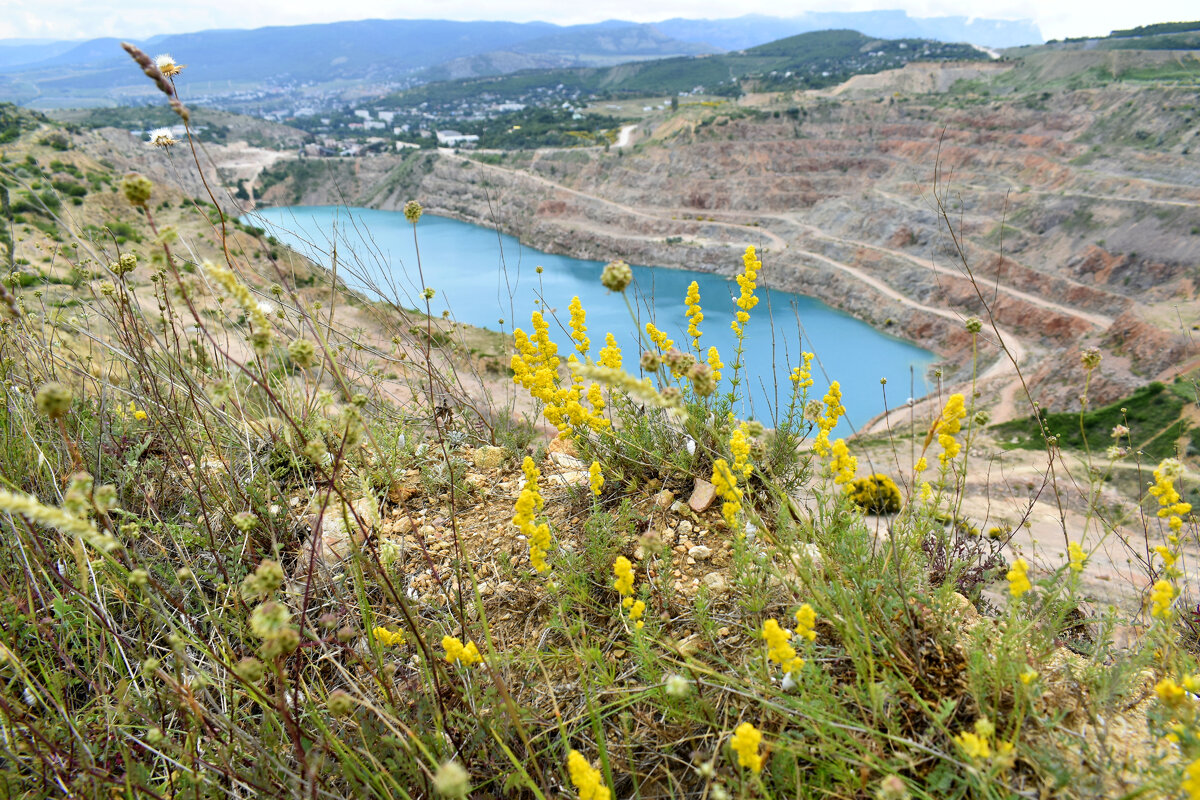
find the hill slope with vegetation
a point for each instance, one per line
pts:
(264, 536)
(809, 60)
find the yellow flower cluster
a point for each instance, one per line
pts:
(875, 494)
(748, 282)
(535, 367)
(843, 466)
(658, 337)
(778, 648)
(829, 418)
(610, 354)
(727, 489)
(535, 364)
(595, 396)
(694, 314)
(714, 363)
(745, 741)
(948, 426)
(529, 505)
(623, 570)
(387, 638)
(1172, 694)
(739, 446)
(806, 622)
(802, 375)
(132, 410)
(595, 477)
(579, 326)
(977, 745)
(973, 745)
(458, 653)
(587, 779)
(1180, 701)
(1078, 558)
(1018, 578)
(1171, 507)
(1191, 781)
(1162, 595)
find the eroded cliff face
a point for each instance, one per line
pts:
(1050, 218)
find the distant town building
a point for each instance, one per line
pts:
(455, 139)
(362, 113)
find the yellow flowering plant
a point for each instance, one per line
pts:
(587, 779)
(747, 282)
(457, 653)
(745, 742)
(529, 505)
(623, 570)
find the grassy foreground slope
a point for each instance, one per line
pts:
(251, 551)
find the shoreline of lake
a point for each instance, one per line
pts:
(489, 276)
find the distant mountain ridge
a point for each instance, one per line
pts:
(50, 74)
(739, 33)
(805, 61)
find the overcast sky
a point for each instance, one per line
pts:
(75, 19)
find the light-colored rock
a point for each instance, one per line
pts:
(716, 583)
(664, 499)
(684, 529)
(703, 494)
(700, 552)
(488, 457)
(808, 556)
(402, 490)
(565, 445)
(337, 527)
(568, 478)
(567, 461)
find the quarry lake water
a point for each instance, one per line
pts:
(481, 277)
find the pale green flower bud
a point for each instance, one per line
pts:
(452, 781)
(340, 703)
(54, 400)
(137, 189)
(412, 211)
(617, 276)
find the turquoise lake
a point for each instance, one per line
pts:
(482, 277)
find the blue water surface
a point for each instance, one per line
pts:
(491, 280)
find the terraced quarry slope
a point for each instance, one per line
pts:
(1078, 214)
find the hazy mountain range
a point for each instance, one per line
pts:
(54, 73)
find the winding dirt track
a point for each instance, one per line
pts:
(1099, 320)
(657, 214)
(1001, 368)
